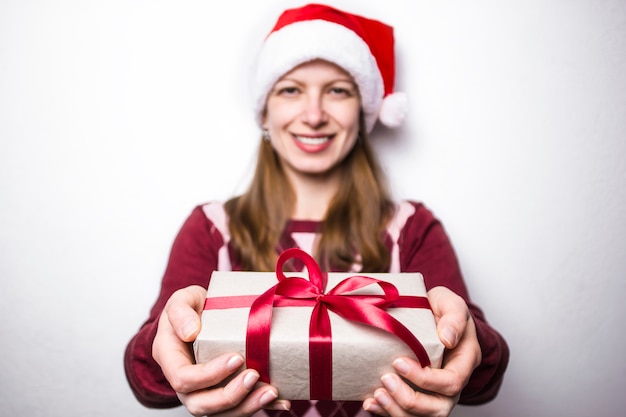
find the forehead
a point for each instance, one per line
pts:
(318, 68)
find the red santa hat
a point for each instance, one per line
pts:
(363, 47)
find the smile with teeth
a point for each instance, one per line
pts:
(307, 140)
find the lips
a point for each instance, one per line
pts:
(316, 143)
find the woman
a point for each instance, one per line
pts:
(323, 79)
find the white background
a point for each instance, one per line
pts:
(117, 117)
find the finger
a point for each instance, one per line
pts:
(372, 406)
(238, 398)
(397, 399)
(451, 315)
(387, 404)
(279, 405)
(453, 376)
(191, 377)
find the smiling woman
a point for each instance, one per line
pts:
(323, 79)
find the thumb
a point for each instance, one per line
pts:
(451, 315)
(183, 311)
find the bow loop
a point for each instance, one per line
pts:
(315, 273)
(296, 287)
(348, 285)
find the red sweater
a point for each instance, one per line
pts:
(416, 239)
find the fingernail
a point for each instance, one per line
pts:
(268, 396)
(250, 379)
(234, 363)
(189, 328)
(371, 407)
(382, 398)
(449, 336)
(389, 382)
(281, 405)
(401, 366)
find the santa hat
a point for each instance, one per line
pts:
(363, 47)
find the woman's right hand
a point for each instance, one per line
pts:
(194, 384)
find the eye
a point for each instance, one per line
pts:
(341, 91)
(287, 91)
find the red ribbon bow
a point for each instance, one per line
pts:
(366, 309)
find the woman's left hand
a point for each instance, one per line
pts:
(440, 389)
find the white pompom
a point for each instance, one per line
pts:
(394, 109)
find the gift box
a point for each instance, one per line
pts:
(314, 343)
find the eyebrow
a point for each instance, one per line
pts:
(296, 81)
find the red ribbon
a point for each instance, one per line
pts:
(366, 309)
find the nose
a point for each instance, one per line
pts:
(314, 113)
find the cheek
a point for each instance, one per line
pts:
(348, 116)
(279, 114)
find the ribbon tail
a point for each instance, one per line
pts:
(320, 354)
(258, 334)
(373, 316)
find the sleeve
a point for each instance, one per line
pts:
(425, 248)
(192, 259)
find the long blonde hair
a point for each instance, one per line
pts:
(352, 232)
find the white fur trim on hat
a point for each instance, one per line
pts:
(305, 41)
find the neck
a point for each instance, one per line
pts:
(313, 195)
